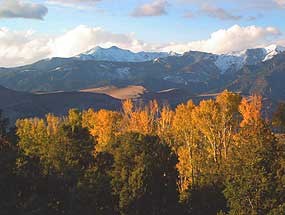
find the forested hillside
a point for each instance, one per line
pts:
(218, 157)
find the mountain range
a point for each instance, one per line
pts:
(167, 77)
(121, 55)
(223, 62)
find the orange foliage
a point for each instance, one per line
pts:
(164, 124)
(250, 110)
(185, 169)
(104, 125)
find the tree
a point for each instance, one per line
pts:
(94, 188)
(164, 125)
(253, 185)
(254, 181)
(55, 152)
(218, 157)
(229, 112)
(250, 108)
(279, 117)
(141, 119)
(104, 127)
(205, 133)
(144, 175)
(8, 178)
(187, 146)
(207, 118)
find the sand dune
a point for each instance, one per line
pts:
(128, 92)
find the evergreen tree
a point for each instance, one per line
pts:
(144, 175)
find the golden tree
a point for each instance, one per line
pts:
(229, 118)
(164, 125)
(105, 127)
(88, 118)
(250, 108)
(207, 119)
(140, 119)
(186, 140)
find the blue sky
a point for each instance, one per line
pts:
(147, 24)
(114, 15)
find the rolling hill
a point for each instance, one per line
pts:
(18, 104)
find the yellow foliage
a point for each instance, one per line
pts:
(228, 102)
(164, 124)
(251, 110)
(88, 118)
(53, 124)
(142, 120)
(104, 127)
(201, 136)
(185, 169)
(127, 107)
(183, 126)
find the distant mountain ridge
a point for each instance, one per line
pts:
(117, 54)
(225, 62)
(260, 70)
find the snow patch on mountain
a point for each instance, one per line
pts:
(229, 62)
(225, 62)
(272, 50)
(116, 54)
(235, 61)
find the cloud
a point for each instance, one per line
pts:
(83, 38)
(241, 5)
(218, 13)
(21, 47)
(21, 9)
(235, 38)
(24, 47)
(280, 3)
(155, 8)
(253, 18)
(281, 42)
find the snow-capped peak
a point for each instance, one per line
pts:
(272, 50)
(274, 47)
(117, 54)
(172, 53)
(236, 60)
(92, 51)
(226, 62)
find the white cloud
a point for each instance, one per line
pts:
(235, 38)
(281, 42)
(155, 8)
(21, 9)
(23, 47)
(83, 38)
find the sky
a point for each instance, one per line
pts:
(31, 30)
